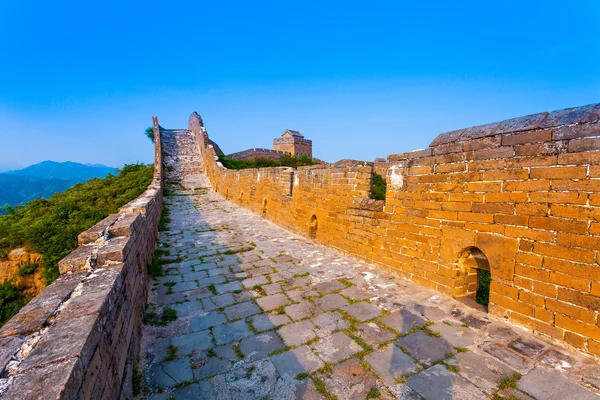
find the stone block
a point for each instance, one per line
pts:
(241, 310)
(97, 231)
(58, 380)
(273, 301)
(440, 384)
(336, 347)
(362, 311)
(126, 224)
(425, 348)
(299, 360)
(114, 250)
(228, 332)
(31, 317)
(79, 260)
(544, 384)
(402, 320)
(500, 252)
(260, 346)
(391, 363)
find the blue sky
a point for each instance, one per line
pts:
(80, 80)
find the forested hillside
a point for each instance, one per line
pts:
(44, 179)
(50, 227)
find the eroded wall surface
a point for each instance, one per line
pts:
(80, 338)
(525, 192)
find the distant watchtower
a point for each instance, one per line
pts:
(293, 142)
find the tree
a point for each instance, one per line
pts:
(150, 133)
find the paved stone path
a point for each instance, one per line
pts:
(266, 314)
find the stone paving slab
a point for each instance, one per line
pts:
(297, 361)
(335, 348)
(264, 313)
(437, 383)
(391, 363)
(425, 348)
(544, 384)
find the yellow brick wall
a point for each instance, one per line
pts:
(526, 192)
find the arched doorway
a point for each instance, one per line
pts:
(312, 227)
(264, 209)
(475, 268)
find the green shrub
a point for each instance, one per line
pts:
(27, 269)
(379, 187)
(50, 227)
(483, 288)
(150, 133)
(284, 161)
(12, 300)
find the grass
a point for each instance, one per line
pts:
(282, 350)
(137, 380)
(251, 326)
(152, 318)
(212, 288)
(346, 282)
(452, 368)
(211, 352)
(374, 393)
(172, 353)
(242, 250)
(280, 310)
(238, 351)
(301, 376)
(320, 385)
(509, 382)
(155, 267)
(461, 350)
(259, 289)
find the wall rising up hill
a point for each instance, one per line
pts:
(520, 198)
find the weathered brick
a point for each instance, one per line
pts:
(587, 144)
(559, 173)
(528, 137)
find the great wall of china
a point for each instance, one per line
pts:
(519, 197)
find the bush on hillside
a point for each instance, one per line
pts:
(50, 227)
(284, 161)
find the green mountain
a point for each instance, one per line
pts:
(64, 170)
(45, 179)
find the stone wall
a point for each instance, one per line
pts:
(519, 197)
(256, 153)
(80, 338)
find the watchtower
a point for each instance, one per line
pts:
(293, 143)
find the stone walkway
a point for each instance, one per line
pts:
(266, 314)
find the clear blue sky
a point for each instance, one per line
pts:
(80, 80)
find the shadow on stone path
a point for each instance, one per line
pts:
(266, 314)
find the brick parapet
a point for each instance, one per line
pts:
(256, 153)
(80, 337)
(525, 191)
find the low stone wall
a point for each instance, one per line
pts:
(80, 338)
(256, 153)
(519, 197)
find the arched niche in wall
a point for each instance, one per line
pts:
(313, 226)
(476, 275)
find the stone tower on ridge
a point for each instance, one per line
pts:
(293, 142)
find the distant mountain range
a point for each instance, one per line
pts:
(45, 179)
